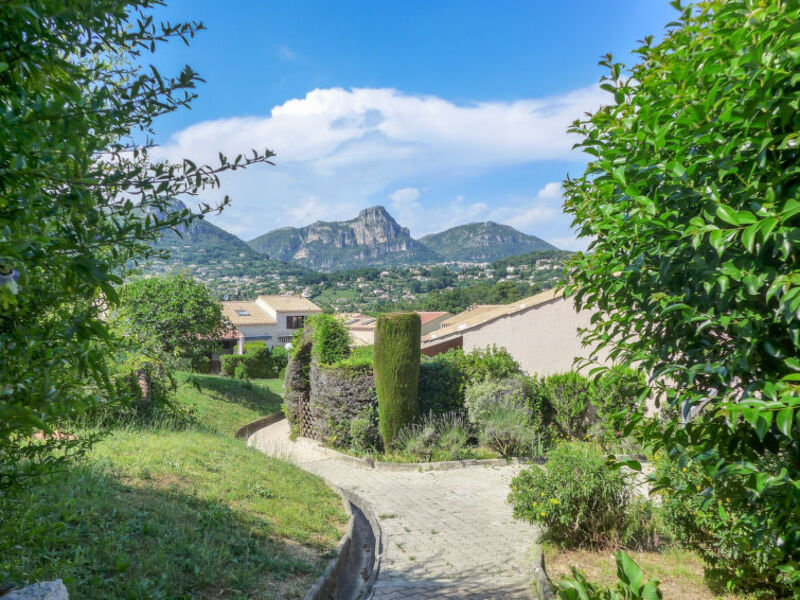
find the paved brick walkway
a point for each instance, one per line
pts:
(447, 534)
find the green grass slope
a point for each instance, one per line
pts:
(158, 513)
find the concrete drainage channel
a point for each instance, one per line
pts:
(351, 574)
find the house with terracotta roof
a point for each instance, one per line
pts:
(271, 319)
(541, 332)
(362, 327)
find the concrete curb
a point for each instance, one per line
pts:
(370, 463)
(541, 582)
(246, 431)
(326, 582)
(342, 579)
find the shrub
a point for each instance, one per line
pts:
(443, 436)
(330, 339)
(487, 363)
(201, 364)
(441, 382)
(229, 362)
(418, 440)
(690, 202)
(365, 436)
(579, 499)
(483, 397)
(719, 521)
(630, 584)
(454, 435)
(505, 428)
(241, 372)
(571, 396)
(280, 358)
(258, 363)
(253, 346)
(396, 366)
(617, 393)
(359, 357)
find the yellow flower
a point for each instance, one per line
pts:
(698, 488)
(543, 514)
(683, 469)
(542, 494)
(535, 503)
(554, 500)
(727, 499)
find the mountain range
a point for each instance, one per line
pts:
(374, 238)
(371, 239)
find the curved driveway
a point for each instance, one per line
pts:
(447, 534)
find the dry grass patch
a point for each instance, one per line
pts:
(679, 571)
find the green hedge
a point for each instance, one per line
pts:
(396, 365)
(256, 363)
(330, 339)
(229, 362)
(440, 385)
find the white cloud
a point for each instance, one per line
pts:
(405, 195)
(570, 242)
(340, 150)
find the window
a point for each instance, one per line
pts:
(242, 313)
(295, 322)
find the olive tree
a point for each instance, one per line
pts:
(81, 202)
(691, 201)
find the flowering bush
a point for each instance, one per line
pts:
(578, 499)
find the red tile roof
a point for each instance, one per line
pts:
(426, 317)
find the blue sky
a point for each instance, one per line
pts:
(444, 112)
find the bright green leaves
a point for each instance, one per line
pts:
(704, 292)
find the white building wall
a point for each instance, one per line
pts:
(544, 340)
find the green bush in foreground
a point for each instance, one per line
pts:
(578, 499)
(691, 201)
(396, 365)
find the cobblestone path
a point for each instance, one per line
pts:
(447, 534)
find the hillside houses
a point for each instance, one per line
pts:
(271, 319)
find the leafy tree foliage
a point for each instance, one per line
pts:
(171, 316)
(692, 201)
(80, 200)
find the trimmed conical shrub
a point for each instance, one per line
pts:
(396, 366)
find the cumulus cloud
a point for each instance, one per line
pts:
(340, 150)
(529, 214)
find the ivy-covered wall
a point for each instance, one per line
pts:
(297, 386)
(338, 394)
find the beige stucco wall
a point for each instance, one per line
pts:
(544, 340)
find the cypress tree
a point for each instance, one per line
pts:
(396, 365)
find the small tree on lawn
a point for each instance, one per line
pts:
(171, 317)
(692, 203)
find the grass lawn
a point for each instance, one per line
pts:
(679, 571)
(153, 513)
(225, 404)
